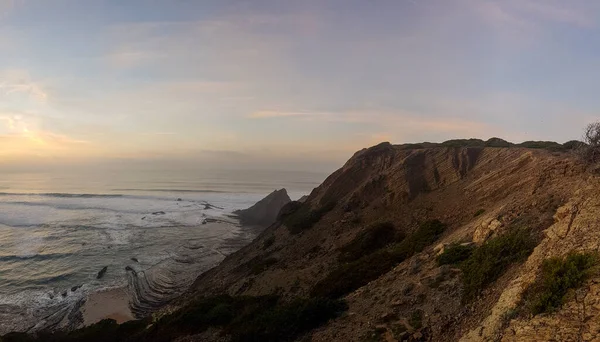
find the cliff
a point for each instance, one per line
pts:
(264, 213)
(478, 192)
(413, 243)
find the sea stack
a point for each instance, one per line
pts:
(264, 213)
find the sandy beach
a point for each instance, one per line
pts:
(113, 304)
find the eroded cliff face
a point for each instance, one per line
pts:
(544, 192)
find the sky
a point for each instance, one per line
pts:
(297, 84)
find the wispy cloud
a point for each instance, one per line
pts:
(15, 81)
(269, 114)
(527, 17)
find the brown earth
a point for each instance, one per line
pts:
(551, 193)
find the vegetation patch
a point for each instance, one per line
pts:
(479, 212)
(261, 265)
(355, 274)
(305, 218)
(370, 240)
(416, 319)
(547, 145)
(489, 261)
(558, 278)
(455, 254)
(463, 143)
(242, 318)
(268, 242)
(497, 142)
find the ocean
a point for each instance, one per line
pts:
(155, 231)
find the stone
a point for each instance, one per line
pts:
(439, 249)
(102, 272)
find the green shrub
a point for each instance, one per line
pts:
(285, 322)
(416, 319)
(261, 265)
(268, 242)
(497, 142)
(559, 276)
(547, 145)
(264, 318)
(455, 254)
(425, 235)
(353, 275)
(574, 145)
(463, 143)
(370, 240)
(479, 212)
(489, 261)
(305, 218)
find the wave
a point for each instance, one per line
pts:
(35, 257)
(180, 190)
(62, 195)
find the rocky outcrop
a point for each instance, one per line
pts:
(264, 213)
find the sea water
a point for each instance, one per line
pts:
(58, 230)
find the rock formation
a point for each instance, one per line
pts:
(264, 213)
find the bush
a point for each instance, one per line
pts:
(268, 242)
(260, 265)
(463, 143)
(547, 145)
(591, 137)
(489, 261)
(558, 277)
(416, 319)
(425, 235)
(285, 322)
(370, 240)
(479, 212)
(305, 218)
(264, 318)
(497, 142)
(455, 254)
(574, 145)
(353, 275)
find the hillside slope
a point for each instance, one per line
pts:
(431, 243)
(477, 192)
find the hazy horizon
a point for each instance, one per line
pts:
(285, 85)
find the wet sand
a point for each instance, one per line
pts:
(111, 304)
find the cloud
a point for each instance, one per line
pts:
(529, 17)
(269, 114)
(16, 81)
(130, 58)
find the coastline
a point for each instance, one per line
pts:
(121, 305)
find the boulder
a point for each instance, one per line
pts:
(102, 272)
(265, 212)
